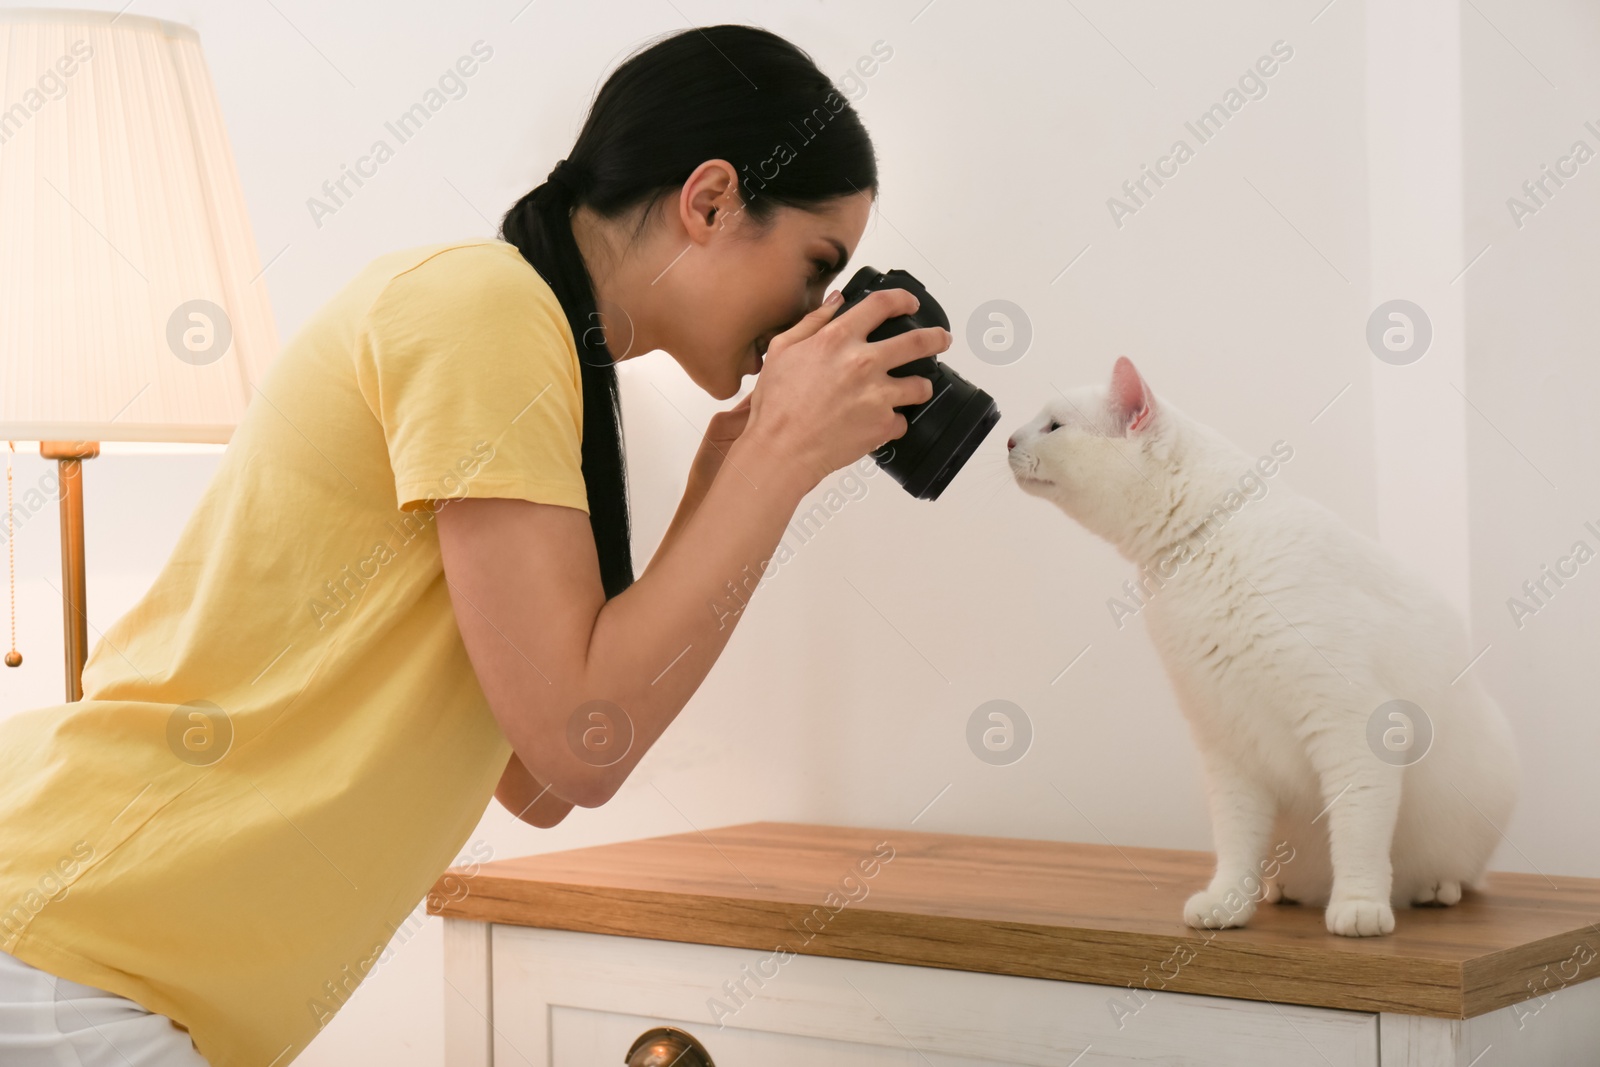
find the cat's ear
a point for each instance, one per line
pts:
(1133, 405)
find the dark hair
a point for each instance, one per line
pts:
(731, 92)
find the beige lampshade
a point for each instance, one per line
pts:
(132, 306)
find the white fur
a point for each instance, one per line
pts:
(1282, 635)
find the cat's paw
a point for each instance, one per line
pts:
(1443, 894)
(1274, 893)
(1210, 910)
(1355, 917)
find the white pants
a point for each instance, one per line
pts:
(47, 1021)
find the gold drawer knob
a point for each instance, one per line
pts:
(667, 1046)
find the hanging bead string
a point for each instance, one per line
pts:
(13, 658)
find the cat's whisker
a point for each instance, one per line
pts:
(996, 480)
(991, 491)
(991, 470)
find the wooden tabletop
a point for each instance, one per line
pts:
(1043, 909)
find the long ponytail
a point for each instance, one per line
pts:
(540, 226)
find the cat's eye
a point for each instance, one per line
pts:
(1054, 425)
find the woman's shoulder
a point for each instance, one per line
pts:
(485, 253)
(471, 291)
(468, 263)
(469, 278)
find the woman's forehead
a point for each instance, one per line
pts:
(844, 219)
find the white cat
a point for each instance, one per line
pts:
(1287, 635)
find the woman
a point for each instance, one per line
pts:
(288, 738)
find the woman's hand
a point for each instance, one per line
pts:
(825, 396)
(721, 432)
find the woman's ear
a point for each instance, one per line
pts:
(709, 198)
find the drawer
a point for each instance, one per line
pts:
(565, 999)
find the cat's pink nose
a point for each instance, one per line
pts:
(1011, 442)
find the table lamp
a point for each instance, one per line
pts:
(131, 301)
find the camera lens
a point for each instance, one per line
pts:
(943, 431)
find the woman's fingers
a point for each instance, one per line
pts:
(877, 307)
(913, 344)
(910, 389)
(726, 426)
(815, 320)
(834, 400)
(738, 410)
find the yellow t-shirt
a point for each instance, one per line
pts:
(282, 744)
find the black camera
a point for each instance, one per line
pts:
(943, 431)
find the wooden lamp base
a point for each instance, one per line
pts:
(69, 456)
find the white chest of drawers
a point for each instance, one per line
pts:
(779, 944)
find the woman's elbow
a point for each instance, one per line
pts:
(587, 789)
(544, 815)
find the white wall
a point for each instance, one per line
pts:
(1530, 84)
(1241, 289)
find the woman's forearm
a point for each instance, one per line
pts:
(653, 644)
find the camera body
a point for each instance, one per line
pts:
(943, 431)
